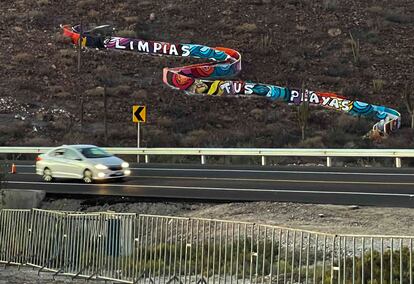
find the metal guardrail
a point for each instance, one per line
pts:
(397, 154)
(130, 248)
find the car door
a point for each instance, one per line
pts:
(56, 162)
(73, 165)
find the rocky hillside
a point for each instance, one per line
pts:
(363, 49)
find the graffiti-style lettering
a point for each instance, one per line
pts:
(117, 45)
(248, 88)
(143, 46)
(314, 99)
(186, 50)
(173, 50)
(237, 86)
(157, 47)
(207, 78)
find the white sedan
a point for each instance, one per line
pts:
(86, 162)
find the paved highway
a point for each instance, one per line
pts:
(359, 186)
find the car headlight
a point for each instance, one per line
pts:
(101, 167)
(125, 165)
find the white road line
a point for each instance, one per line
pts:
(222, 189)
(25, 166)
(276, 171)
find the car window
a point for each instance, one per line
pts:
(94, 153)
(58, 153)
(71, 154)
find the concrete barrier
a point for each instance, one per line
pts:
(21, 198)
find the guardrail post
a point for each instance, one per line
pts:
(398, 162)
(328, 161)
(203, 159)
(263, 160)
(146, 159)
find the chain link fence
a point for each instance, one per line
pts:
(132, 248)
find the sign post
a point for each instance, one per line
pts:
(139, 114)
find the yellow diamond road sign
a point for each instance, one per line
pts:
(139, 113)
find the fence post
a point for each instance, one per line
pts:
(263, 160)
(398, 162)
(203, 159)
(328, 161)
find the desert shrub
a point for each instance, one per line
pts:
(377, 85)
(195, 138)
(28, 85)
(247, 28)
(121, 90)
(338, 70)
(95, 92)
(312, 142)
(164, 122)
(13, 130)
(373, 37)
(93, 14)
(38, 141)
(62, 94)
(398, 16)
(131, 19)
(158, 138)
(82, 4)
(24, 58)
(43, 2)
(140, 94)
(67, 53)
(335, 137)
(258, 114)
(265, 45)
(36, 16)
(353, 124)
(126, 33)
(352, 92)
(375, 9)
(330, 5)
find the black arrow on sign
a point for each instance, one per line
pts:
(137, 113)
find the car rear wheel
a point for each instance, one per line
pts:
(87, 176)
(47, 175)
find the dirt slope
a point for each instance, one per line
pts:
(282, 42)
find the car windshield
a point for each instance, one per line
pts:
(94, 152)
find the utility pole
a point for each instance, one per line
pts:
(79, 73)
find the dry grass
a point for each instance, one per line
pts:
(258, 114)
(378, 85)
(24, 58)
(131, 19)
(195, 138)
(93, 14)
(126, 33)
(43, 2)
(67, 53)
(355, 46)
(140, 94)
(247, 28)
(95, 92)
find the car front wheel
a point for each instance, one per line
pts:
(87, 176)
(47, 175)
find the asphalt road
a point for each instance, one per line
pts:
(358, 186)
